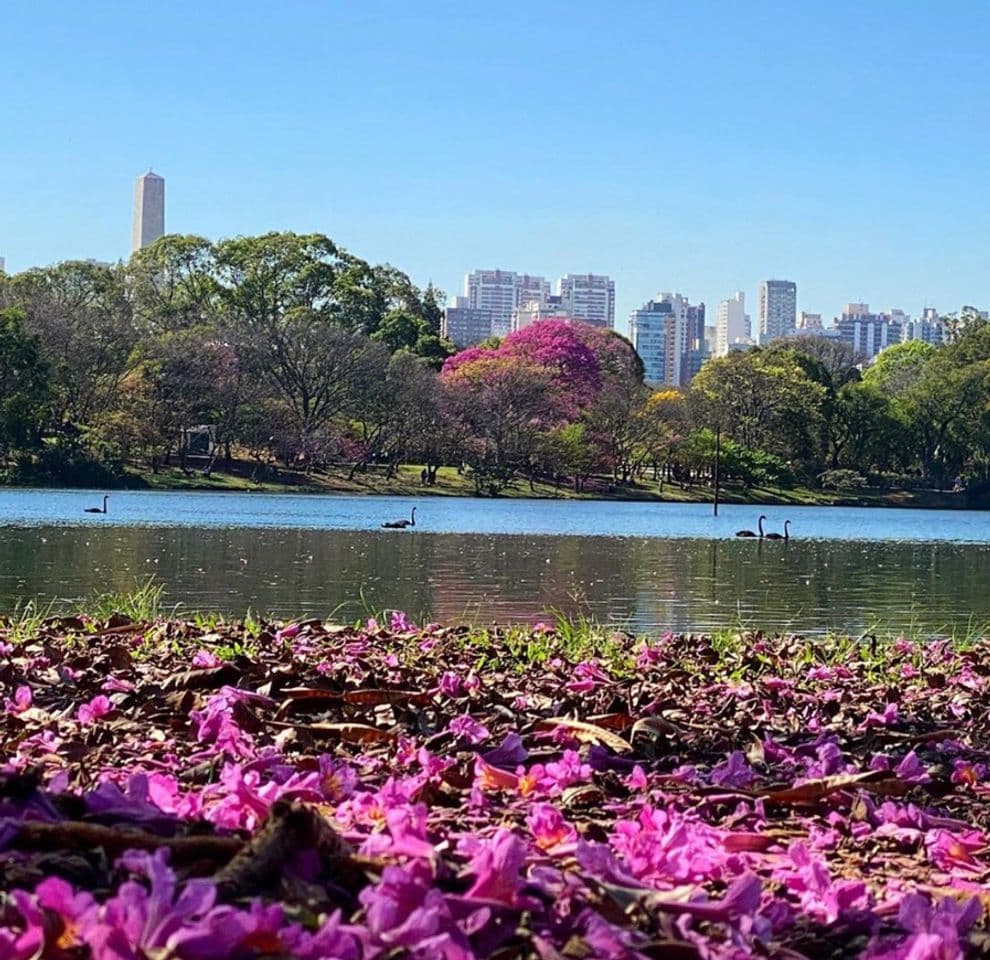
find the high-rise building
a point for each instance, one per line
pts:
(663, 334)
(465, 325)
(531, 290)
(928, 327)
(501, 292)
(589, 297)
(696, 325)
(3, 265)
(648, 330)
(810, 323)
(778, 309)
(731, 323)
(550, 308)
(869, 333)
(149, 210)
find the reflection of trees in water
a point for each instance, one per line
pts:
(646, 583)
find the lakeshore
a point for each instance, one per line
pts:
(450, 482)
(341, 789)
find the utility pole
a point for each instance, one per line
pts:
(718, 463)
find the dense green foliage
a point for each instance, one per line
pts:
(289, 351)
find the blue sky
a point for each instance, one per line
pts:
(695, 147)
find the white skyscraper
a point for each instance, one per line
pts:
(589, 297)
(149, 210)
(501, 292)
(731, 323)
(778, 309)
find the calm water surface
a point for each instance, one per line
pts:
(647, 566)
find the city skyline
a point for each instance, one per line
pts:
(703, 200)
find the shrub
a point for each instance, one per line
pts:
(842, 480)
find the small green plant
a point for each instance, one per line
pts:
(24, 622)
(142, 604)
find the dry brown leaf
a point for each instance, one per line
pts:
(586, 733)
(815, 790)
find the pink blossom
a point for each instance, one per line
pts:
(450, 684)
(400, 623)
(22, 701)
(205, 659)
(549, 828)
(467, 728)
(287, 632)
(98, 707)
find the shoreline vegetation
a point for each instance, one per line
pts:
(315, 789)
(289, 352)
(449, 482)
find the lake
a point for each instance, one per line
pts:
(645, 566)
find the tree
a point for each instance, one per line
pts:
(752, 394)
(945, 405)
(504, 404)
(620, 424)
(81, 316)
(899, 366)
(865, 431)
(174, 284)
(388, 417)
(433, 301)
(24, 393)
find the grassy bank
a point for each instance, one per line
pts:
(450, 483)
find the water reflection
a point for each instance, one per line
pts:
(646, 583)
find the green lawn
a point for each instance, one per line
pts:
(450, 483)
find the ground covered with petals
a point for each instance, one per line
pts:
(197, 790)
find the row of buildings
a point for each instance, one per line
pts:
(671, 335)
(496, 302)
(664, 331)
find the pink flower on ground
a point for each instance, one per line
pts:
(22, 701)
(204, 659)
(400, 623)
(98, 707)
(890, 715)
(549, 828)
(496, 866)
(968, 773)
(450, 684)
(469, 729)
(733, 772)
(637, 779)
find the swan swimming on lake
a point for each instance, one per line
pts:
(778, 536)
(749, 533)
(106, 497)
(401, 524)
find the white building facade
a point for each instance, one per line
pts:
(869, 333)
(502, 292)
(731, 323)
(589, 297)
(928, 328)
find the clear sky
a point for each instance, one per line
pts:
(697, 147)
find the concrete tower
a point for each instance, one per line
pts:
(778, 309)
(149, 210)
